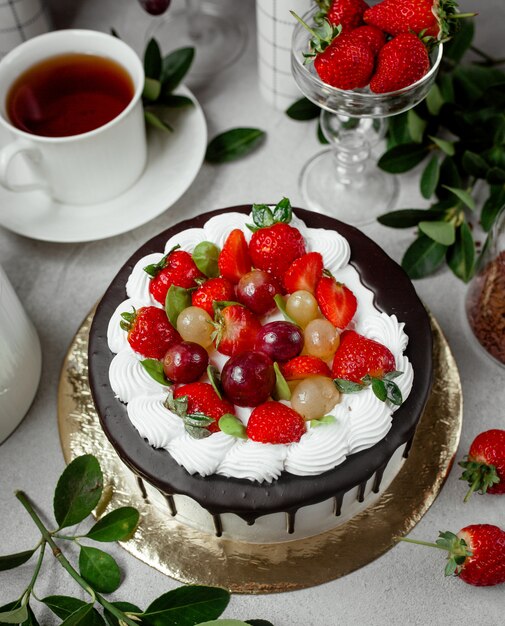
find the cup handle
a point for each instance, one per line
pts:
(22, 147)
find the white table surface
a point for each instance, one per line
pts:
(59, 283)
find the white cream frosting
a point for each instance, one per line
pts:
(361, 420)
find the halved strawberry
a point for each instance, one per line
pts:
(236, 329)
(304, 273)
(200, 408)
(304, 366)
(336, 301)
(274, 422)
(234, 260)
(212, 290)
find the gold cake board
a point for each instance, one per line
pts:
(198, 558)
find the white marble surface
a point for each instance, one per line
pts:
(59, 283)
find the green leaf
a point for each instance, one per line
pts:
(282, 211)
(281, 390)
(472, 82)
(118, 525)
(152, 89)
(99, 569)
(379, 389)
(281, 305)
(231, 425)
(449, 176)
(233, 144)
(441, 232)
(15, 615)
(152, 60)
(78, 491)
(463, 195)
(10, 561)
(496, 176)
(174, 67)
(461, 42)
(81, 617)
(205, 256)
(417, 126)
(446, 84)
(407, 218)
(434, 100)
(176, 300)
(156, 371)
(187, 606)
(347, 386)
(461, 256)
(402, 158)
(125, 607)
(394, 394)
(326, 419)
(423, 257)
(492, 207)
(430, 177)
(474, 164)
(156, 122)
(63, 606)
(303, 110)
(446, 146)
(173, 101)
(258, 622)
(215, 380)
(398, 130)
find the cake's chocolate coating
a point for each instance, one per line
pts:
(394, 294)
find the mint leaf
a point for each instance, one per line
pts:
(176, 300)
(155, 370)
(205, 256)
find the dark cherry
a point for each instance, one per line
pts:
(155, 7)
(185, 362)
(248, 378)
(256, 290)
(280, 341)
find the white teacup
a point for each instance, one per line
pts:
(79, 169)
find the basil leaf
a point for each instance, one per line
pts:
(215, 380)
(379, 389)
(174, 67)
(78, 491)
(281, 305)
(152, 60)
(177, 299)
(461, 257)
(402, 158)
(429, 177)
(118, 525)
(423, 257)
(303, 110)
(233, 144)
(231, 425)
(187, 606)
(205, 256)
(99, 569)
(441, 232)
(155, 370)
(10, 561)
(281, 390)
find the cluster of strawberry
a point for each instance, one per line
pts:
(222, 304)
(384, 46)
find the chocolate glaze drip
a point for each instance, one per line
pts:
(218, 524)
(171, 505)
(378, 478)
(337, 503)
(361, 492)
(407, 448)
(394, 293)
(142, 488)
(290, 522)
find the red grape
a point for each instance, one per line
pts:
(256, 290)
(280, 341)
(155, 7)
(185, 362)
(248, 378)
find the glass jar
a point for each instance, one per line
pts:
(485, 301)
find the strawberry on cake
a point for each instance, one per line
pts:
(256, 378)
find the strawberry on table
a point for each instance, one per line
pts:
(236, 329)
(346, 13)
(476, 554)
(175, 268)
(234, 260)
(434, 18)
(304, 273)
(359, 362)
(485, 464)
(304, 366)
(336, 301)
(401, 62)
(274, 422)
(212, 290)
(199, 406)
(274, 244)
(149, 331)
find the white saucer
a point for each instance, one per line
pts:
(173, 162)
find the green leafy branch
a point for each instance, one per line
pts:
(79, 491)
